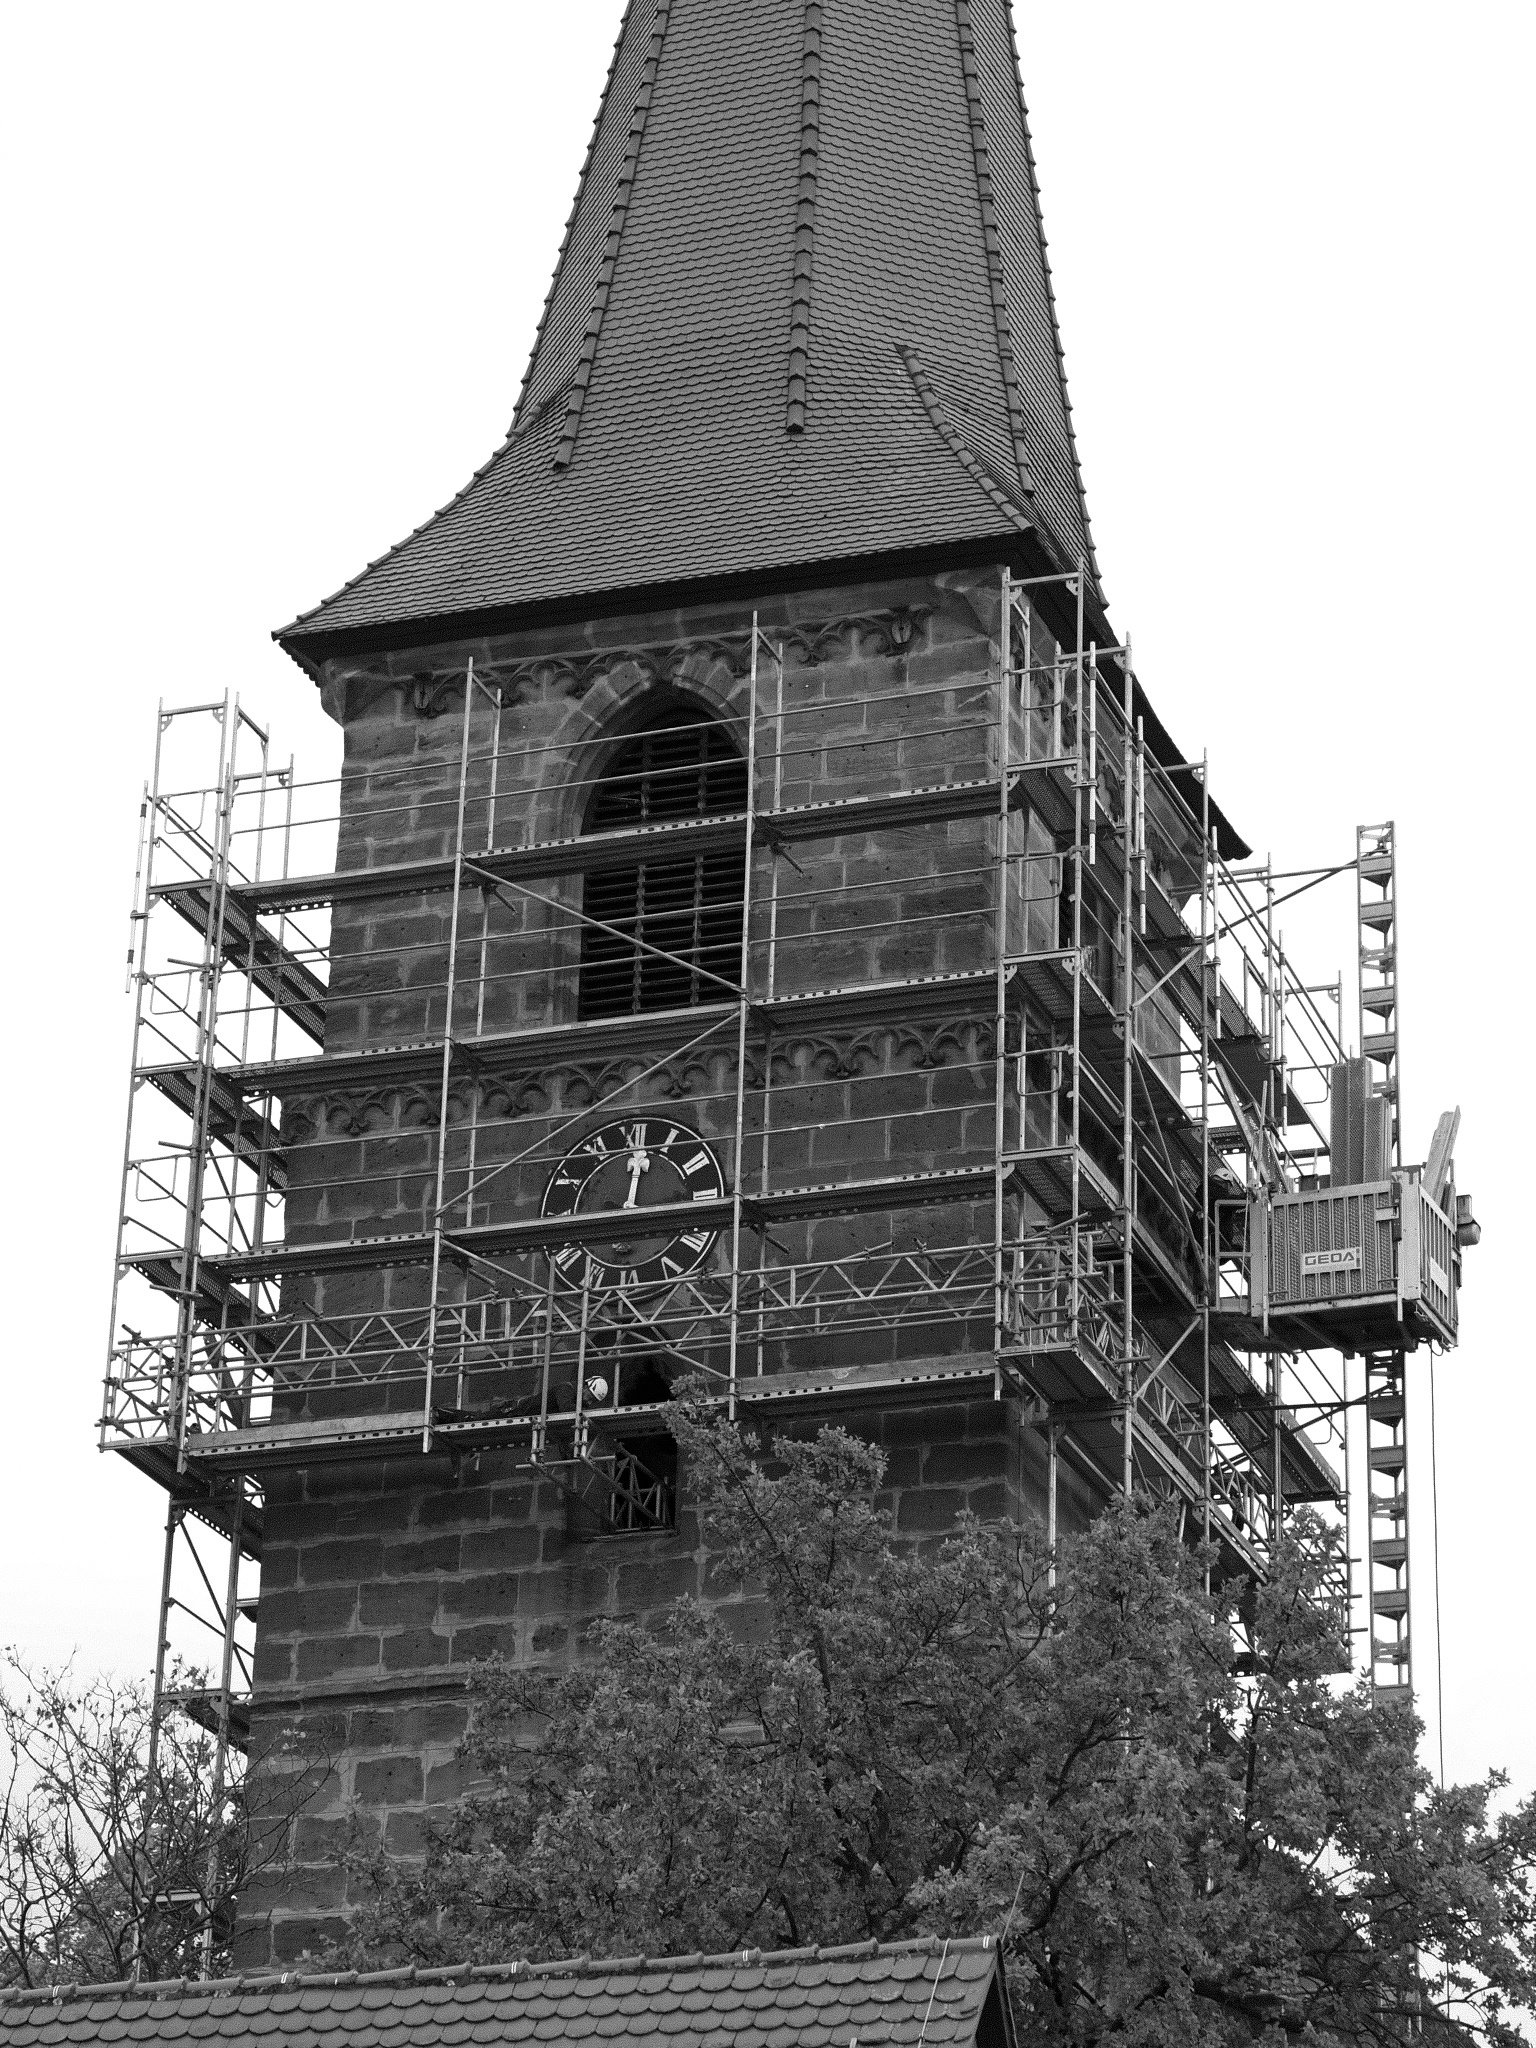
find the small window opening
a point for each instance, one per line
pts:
(636, 1490)
(673, 922)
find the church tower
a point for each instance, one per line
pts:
(771, 942)
(795, 403)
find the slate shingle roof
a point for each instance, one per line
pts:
(914, 1995)
(785, 205)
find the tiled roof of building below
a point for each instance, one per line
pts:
(925, 1994)
(803, 315)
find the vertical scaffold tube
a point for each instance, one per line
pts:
(138, 942)
(157, 1694)
(738, 1163)
(446, 1071)
(222, 1707)
(482, 978)
(1000, 950)
(1081, 796)
(1127, 1099)
(188, 1320)
(1210, 1250)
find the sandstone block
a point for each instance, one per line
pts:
(415, 1649)
(349, 1560)
(483, 1640)
(506, 1549)
(389, 1781)
(302, 1938)
(656, 1582)
(964, 1464)
(329, 1656)
(479, 1596)
(308, 1612)
(928, 1510)
(398, 1603)
(411, 1557)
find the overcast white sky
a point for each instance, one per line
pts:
(270, 277)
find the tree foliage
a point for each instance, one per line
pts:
(119, 1856)
(1184, 1825)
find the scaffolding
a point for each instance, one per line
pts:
(1013, 1090)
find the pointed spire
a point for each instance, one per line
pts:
(802, 315)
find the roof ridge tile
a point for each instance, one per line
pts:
(797, 391)
(982, 162)
(819, 1998)
(571, 219)
(1050, 296)
(576, 404)
(567, 1966)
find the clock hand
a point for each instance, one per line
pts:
(639, 1162)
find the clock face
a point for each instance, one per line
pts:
(642, 1163)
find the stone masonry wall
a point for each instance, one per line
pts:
(383, 1580)
(380, 1590)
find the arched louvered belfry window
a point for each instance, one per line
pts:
(685, 905)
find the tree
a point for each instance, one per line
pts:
(120, 1856)
(1184, 1826)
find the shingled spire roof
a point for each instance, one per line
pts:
(802, 316)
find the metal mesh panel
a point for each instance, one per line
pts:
(1437, 1254)
(1332, 1245)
